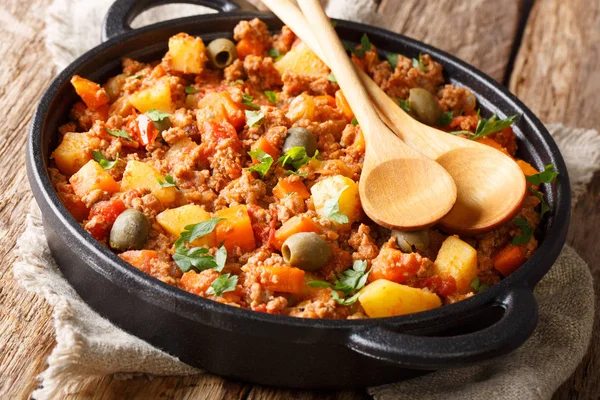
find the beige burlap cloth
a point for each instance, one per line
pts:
(88, 345)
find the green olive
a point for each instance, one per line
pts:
(221, 52)
(424, 106)
(301, 137)
(163, 124)
(411, 241)
(130, 231)
(306, 250)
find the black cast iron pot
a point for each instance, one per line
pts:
(278, 350)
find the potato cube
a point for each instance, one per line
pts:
(236, 229)
(74, 152)
(174, 221)
(219, 106)
(329, 188)
(156, 97)
(186, 54)
(139, 175)
(384, 298)
(458, 260)
(301, 60)
(92, 177)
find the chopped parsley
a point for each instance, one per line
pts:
(354, 121)
(404, 104)
(331, 78)
(168, 182)
(477, 286)
(418, 63)
(195, 257)
(296, 157)
(274, 53)
(254, 118)
(365, 45)
(191, 90)
(157, 116)
(224, 283)
(220, 258)
(544, 207)
(247, 100)
(331, 208)
(264, 159)
(393, 60)
(271, 96)
(445, 118)
(546, 176)
(346, 282)
(486, 127)
(119, 133)
(526, 232)
(104, 163)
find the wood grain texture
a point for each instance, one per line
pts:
(479, 32)
(26, 333)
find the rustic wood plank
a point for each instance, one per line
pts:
(480, 32)
(555, 74)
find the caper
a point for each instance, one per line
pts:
(411, 241)
(130, 231)
(306, 250)
(424, 106)
(301, 137)
(221, 52)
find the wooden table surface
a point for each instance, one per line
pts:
(546, 51)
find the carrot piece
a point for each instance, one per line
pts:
(263, 144)
(286, 186)
(292, 226)
(492, 143)
(103, 215)
(219, 106)
(92, 94)
(236, 229)
(507, 260)
(282, 279)
(395, 266)
(342, 104)
(141, 259)
(91, 177)
(246, 47)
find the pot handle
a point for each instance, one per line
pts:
(436, 352)
(122, 12)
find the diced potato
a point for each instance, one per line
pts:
(236, 229)
(186, 54)
(179, 149)
(92, 177)
(139, 175)
(328, 188)
(92, 94)
(384, 298)
(301, 60)
(74, 151)
(458, 260)
(114, 85)
(174, 220)
(302, 107)
(156, 97)
(219, 106)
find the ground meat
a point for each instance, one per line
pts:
(144, 201)
(290, 206)
(261, 72)
(339, 261)
(456, 99)
(244, 190)
(254, 30)
(283, 41)
(235, 71)
(406, 76)
(294, 84)
(363, 245)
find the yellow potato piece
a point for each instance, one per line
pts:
(156, 97)
(186, 54)
(301, 60)
(139, 175)
(383, 298)
(458, 260)
(349, 201)
(92, 177)
(74, 152)
(175, 220)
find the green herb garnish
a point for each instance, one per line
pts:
(404, 104)
(331, 208)
(247, 100)
(140, 76)
(347, 282)
(526, 232)
(157, 116)
(119, 133)
(224, 283)
(476, 285)
(195, 257)
(544, 207)
(103, 161)
(418, 63)
(168, 182)
(191, 90)
(486, 127)
(445, 118)
(393, 60)
(271, 96)
(274, 53)
(331, 78)
(354, 121)
(254, 118)
(220, 258)
(264, 159)
(546, 176)
(296, 156)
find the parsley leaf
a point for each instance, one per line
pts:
(224, 283)
(264, 159)
(271, 96)
(157, 116)
(220, 259)
(119, 133)
(346, 282)
(104, 163)
(546, 176)
(345, 302)
(526, 232)
(195, 231)
(445, 118)
(543, 203)
(168, 182)
(418, 63)
(475, 284)
(196, 257)
(354, 121)
(247, 101)
(289, 172)
(404, 104)
(191, 90)
(331, 78)
(331, 208)
(254, 118)
(365, 43)
(486, 127)
(393, 60)
(274, 53)
(296, 156)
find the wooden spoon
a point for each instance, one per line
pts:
(399, 188)
(490, 185)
